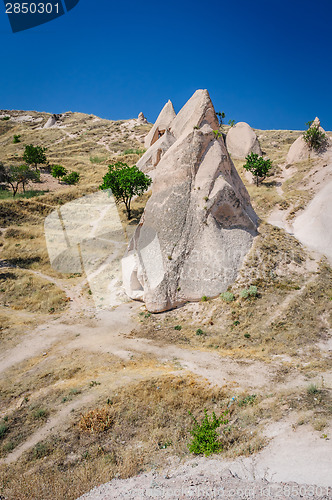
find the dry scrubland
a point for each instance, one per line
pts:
(74, 412)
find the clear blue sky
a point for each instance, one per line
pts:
(266, 62)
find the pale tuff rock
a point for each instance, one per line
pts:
(52, 121)
(141, 118)
(195, 113)
(163, 122)
(241, 140)
(299, 150)
(197, 226)
(148, 162)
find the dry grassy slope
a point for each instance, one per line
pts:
(282, 334)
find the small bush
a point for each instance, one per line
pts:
(204, 298)
(178, 327)
(314, 137)
(39, 413)
(134, 151)
(199, 331)
(3, 430)
(227, 296)
(72, 178)
(248, 400)
(58, 171)
(16, 139)
(250, 292)
(5, 118)
(312, 389)
(206, 440)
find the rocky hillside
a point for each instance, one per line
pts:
(89, 395)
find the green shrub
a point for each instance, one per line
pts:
(314, 137)
(178, 327)
(250, 292)
(16, 139)
(199, 331)
(204, 298)
(39, 413)
(58, 171)
(227, 296)
(72, 178)
(312, 389)
(6, 118)
(248, 400)
(3, 430)
(206, 439)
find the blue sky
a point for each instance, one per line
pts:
(265, 62)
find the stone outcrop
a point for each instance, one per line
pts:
(141, 118)
(241, 140)
(163, 122)
(198, 224)
(299, 150)
(52, 121)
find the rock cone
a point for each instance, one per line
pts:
(197, 226)
(163, 122)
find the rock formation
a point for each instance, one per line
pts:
(299, 150)
(52, 121)
(198, 224)
(141, 118)
(148, 162)
(163, 122)
(241, 140)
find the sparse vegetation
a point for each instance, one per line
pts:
(227, 296)
(16, 139)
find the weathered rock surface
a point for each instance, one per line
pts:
(149, 161)
(241, 140)
(141, 118)
(52, 121)
(300, 151)
(195, 113)
(197, 226)
(163, 122)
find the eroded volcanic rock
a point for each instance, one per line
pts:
(241, 140)
(198, 224)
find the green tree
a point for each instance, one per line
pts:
(14, 175)
(58, 171)
(314, 137)
(258, 166)
(125, 182)
(221, 116)
(34, 155)
(231, 123)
